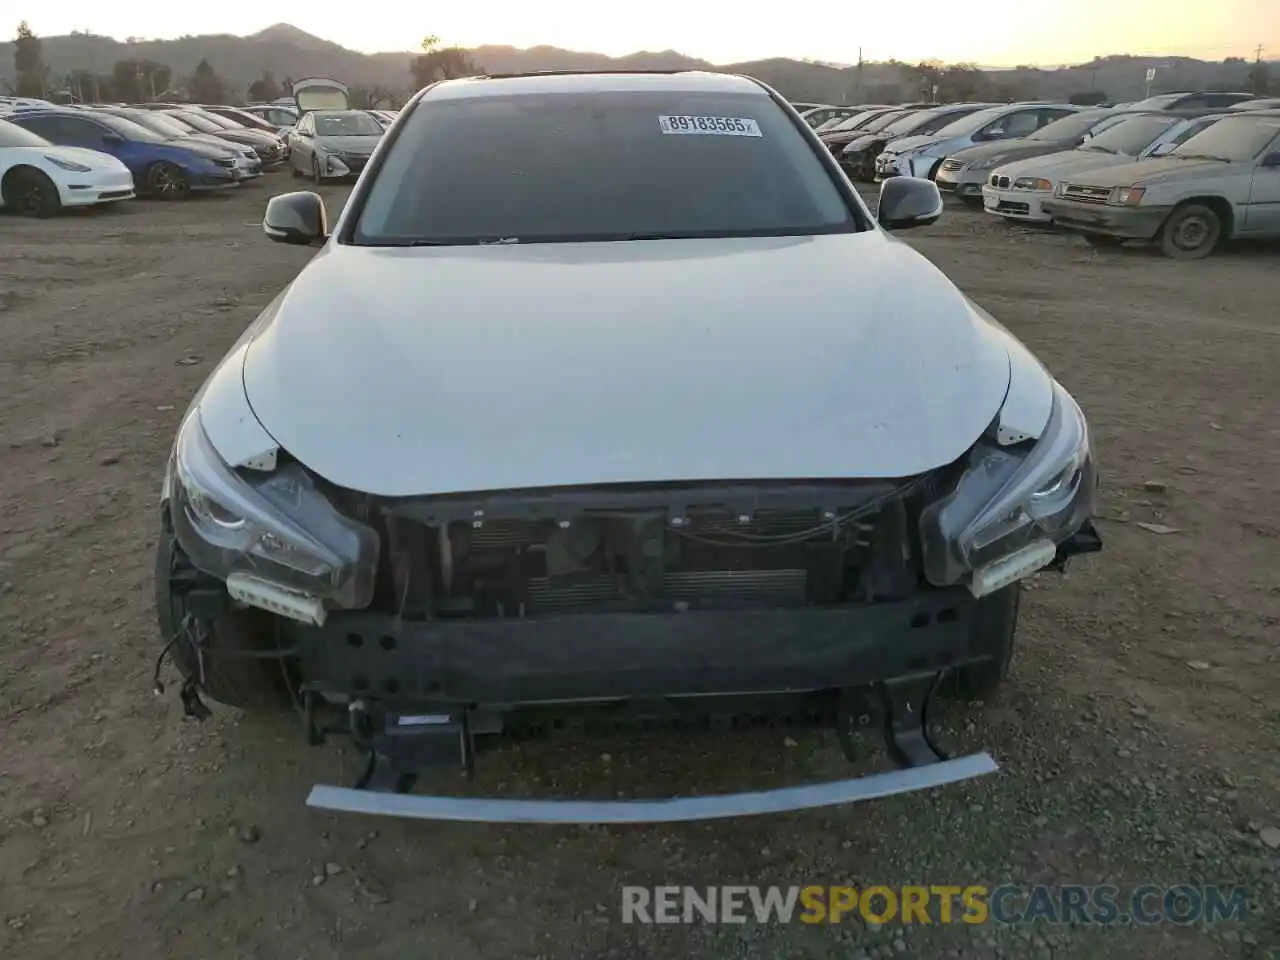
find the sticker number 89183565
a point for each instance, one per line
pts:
(711, 126)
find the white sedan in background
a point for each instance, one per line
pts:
(37, 178)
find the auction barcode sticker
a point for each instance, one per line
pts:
(710, 126)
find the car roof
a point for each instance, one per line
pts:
(48, 112)
(517, 84)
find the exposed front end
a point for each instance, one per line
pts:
(467, 616)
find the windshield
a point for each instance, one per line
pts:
(971, 123)
(1157, 102)
(347, 124)
(12, 135)
(1237, 139)
(917, 120)
(856, 121)
(600, 166)
(128, 129)
(250, 121)
(1131, 136)
(196, 120)
(166, 126)
(1069, 128)
(221, 121)
(884, 120)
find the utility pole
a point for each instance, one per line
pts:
(857, 79)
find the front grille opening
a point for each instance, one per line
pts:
(642, 561)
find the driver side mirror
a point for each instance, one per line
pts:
(1162, 150)
(1272, 159)
(907, 202)
(296, 218)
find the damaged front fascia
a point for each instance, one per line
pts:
(835, 497)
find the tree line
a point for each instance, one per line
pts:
(134, 81)
(137, 81)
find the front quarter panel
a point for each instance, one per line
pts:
(1029, 400)
(1228, 182)
(228, 419)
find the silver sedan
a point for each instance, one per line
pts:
(333, 143)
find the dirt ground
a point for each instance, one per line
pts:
(1138, 735)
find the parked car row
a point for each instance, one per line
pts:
(1168, 170)
(53, 157)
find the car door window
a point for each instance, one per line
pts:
(1051, 114)
(46, 127)
(1012, 125)
(81, 133)
(1021, 124)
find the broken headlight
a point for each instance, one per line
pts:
(276, 525)
(1009, 497)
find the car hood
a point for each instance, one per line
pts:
(1063, 164)
(204, 148)
(361, 144)
(919, 141)
(414, 371)
(253, 138)
(1007, 150)
(221, 145)
(1156, 170)
(93, 159)
(865, 141)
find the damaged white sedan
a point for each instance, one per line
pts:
(621, 408)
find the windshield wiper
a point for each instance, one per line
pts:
(467, 242)
(1200, 156)
(1097, 149)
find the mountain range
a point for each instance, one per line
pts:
(286, 51)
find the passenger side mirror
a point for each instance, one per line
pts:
(112, 139)
(907, 202)
(1272, 159)
(1162, 150)
(297, 218)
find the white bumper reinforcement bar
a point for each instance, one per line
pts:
(673, 810)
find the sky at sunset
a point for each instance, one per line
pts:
(1046, 32)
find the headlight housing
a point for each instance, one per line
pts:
(278, 526)
(1032, 183)
(69, 165)
(986, 164)
(1009, 497)
(1127, 196)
